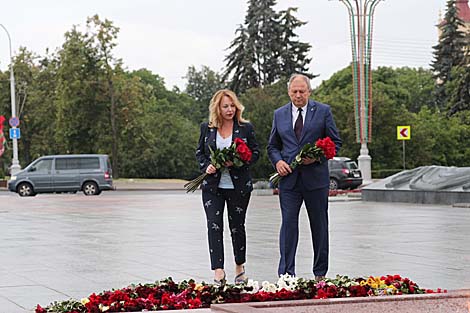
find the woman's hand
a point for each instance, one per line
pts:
(211, 169)
(228, 164)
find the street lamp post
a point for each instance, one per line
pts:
(361, 17)
(15, 164)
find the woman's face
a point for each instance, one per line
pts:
(227, 108)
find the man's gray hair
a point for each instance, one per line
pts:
(305, 78)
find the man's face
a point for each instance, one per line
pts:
(298, 92)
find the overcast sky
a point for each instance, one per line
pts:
(167, 36)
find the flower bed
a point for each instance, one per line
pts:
(169, 295)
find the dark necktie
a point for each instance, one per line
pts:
(299, 124)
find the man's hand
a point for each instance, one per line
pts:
(308, 161)
(283, 168)
(211, 169)
(228, 164)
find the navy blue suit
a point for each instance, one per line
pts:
(307, 183)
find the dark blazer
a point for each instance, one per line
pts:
(283, 144)
(241, 176)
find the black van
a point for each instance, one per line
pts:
(90, 173)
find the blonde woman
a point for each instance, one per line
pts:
(230, 185)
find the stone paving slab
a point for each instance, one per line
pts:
(53, 247)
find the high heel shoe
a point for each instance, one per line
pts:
(220, 282)
(241, 278)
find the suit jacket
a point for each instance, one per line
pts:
(241, 176)
(283, 144)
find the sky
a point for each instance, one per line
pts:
(168, 36)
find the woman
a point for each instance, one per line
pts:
(229, 185)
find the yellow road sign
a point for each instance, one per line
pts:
(403, 132)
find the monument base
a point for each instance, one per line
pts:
(416, 196)
(425, 184)
(453, 302)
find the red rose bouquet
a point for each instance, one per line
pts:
(238, 153)
(241, 154)
(323, 147)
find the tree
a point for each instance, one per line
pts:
(260, 104)
(449, 52)
(460, 90)
(36, 82)
(105, 34)
(240, 68)
(264, 36)
(201, 86)
(78, 104)
(293, 54)
(265, 48)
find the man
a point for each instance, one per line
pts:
(295, 124)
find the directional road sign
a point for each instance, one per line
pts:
(403, 132)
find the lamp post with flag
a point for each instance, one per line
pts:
(15, 164)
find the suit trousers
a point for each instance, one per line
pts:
(316, 202)
(237, 205)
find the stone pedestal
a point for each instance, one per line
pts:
(364, 161)
(452, 302)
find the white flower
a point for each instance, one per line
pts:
(254, 284)
(287, 282)
(268, 287)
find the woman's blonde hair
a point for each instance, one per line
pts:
(215, 118)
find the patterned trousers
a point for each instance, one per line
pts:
(214, 204)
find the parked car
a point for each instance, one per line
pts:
(90, 173)
(344, 173)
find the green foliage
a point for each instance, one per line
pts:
(459, 90)
(260, 104)
(400, 97)
(65, 103)
(265, 48)
(448, 53)
(201, 86)
(338, 93)
(293, 53)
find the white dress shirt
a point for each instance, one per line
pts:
(295, 114)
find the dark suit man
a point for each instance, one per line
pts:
(292, 129)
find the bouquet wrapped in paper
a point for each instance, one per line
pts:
(238, 153)
(323, 147)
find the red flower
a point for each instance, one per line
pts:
(39, 309)
(328, 147)
(321, 294)
(242, 149)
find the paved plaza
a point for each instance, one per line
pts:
(53, 247)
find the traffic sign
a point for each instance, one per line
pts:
(14, 121)
(403, 132)
(15, 133)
